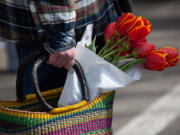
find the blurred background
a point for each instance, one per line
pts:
(134, 99)
(131, 102)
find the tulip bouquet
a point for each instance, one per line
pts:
(126, 48)
(126, 38)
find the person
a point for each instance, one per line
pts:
(12, 57)
(56, 26)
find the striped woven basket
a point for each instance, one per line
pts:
(36, 116)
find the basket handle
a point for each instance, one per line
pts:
(78, 69)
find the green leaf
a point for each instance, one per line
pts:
(86, 45)
(92, 46)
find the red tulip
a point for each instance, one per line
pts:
(143, 49)
(172, 55)
(137, 22)
(138, 33)
(124, 23)
(136, 27)
(156, 61)
(125, 17)
(133, 44)
(140, 29)
(110, 31)
(143, 40)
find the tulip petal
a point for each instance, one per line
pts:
(144, 49)
(123, 28)
(156, 61)
(138, 33)
(125, 17)
(172, 55)
(147, 23)
(110, 31)
(137, 22)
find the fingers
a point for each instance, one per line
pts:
(70, 64)
(61, 59)
(64, 59)
(53, 59)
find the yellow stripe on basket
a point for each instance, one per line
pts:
(90, 104)
(46, 115)
(68, 108)
(31, 98)
(45, 94)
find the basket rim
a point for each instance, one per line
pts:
(66, 110)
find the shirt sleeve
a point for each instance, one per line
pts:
(55, 21)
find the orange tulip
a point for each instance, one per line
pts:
(172, 55)
(156, 61)
(143, 49)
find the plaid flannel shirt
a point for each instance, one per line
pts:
(60, 22)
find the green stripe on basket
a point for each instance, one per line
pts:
(97, 131)
(20, 120)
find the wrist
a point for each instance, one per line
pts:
(60, 42)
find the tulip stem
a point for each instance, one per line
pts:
(117, 55)
(123, 46)
(111, 48)
(112, 52)
(121, 58)
(107, 44)
(132, 63)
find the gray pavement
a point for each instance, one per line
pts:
(134, 99)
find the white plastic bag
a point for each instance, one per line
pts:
(101, 76)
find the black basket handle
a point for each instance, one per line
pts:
(78, 70)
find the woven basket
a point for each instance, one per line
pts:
(36, 116)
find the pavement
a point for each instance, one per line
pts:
(145, 107)
(149, 106)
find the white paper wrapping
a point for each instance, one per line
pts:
(101, 76)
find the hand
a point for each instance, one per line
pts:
(64, 59)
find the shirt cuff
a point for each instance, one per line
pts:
(61, 42)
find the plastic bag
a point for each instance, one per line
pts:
(101, 76)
